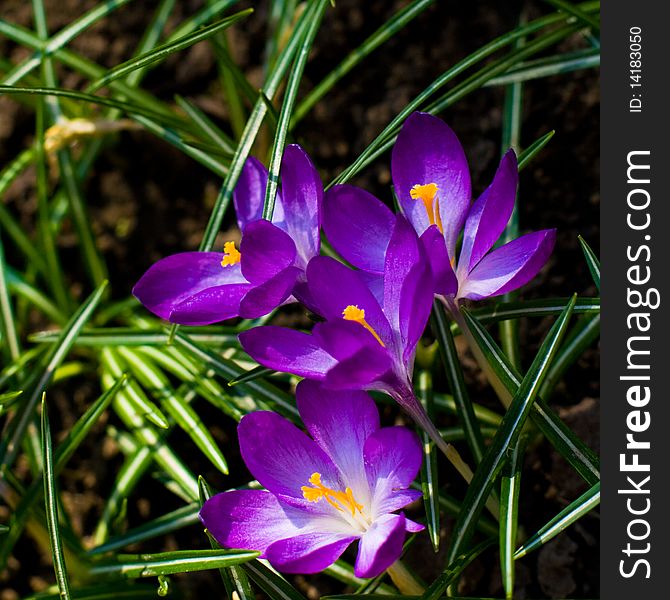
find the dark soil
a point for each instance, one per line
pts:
(147, 200)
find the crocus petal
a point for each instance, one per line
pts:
(416, 301)
(334, 286)
(287, 350)
(413, 526)
(362, 360)
(251, 519)
(392, 460)
(340, 422)
(308, 553)
(363, 370)
(210, 305)
(175, 278)
(509, 267)
(358, 225)
(375, 283)
(249, 194)
(488, 216)
(402, 254)
(264, 298)
(281, 457)
(266, 251)
(428, 151)
(435, 248)
(302, 194)
(397, 500)
(380, 546)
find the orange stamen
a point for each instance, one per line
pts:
(231, 255)
(427, 193)
(353, 313)
(339, 500)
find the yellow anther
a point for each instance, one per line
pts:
(339, 500)
(353, 313)
(427, 193)
(231, 255)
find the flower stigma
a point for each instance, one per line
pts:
(231, 255)
(353, 313)
(340, 500)
(427, 193)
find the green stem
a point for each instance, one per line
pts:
(404, 580)
(498, 386)
(409, 402)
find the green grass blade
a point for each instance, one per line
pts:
(83, 425)
(533, 308)
(206, 125)
(234, 84)
(535, 69)
(130, 336)
(175, 520)
(429, 479)
(258, 113)
(387, 137)
(154, 380)
(529, 153)
(60, 457)
(50, 494)
(131, 566)
(568, 7)
(234, 578)
(10, 444)
(229, 370)
(11, 348)
(511, 134)
(149, 438)
(93, 261)
(510, 484)
(46, 236)
(258, 372)
(578, 454)
(8, 398)
(478, 79)
(484, 415)
(48, 46)
(147, 409)
(464, 409)
(128, 108)
(127, 478)
(591, 260)
(355, 57)
(160, 53)
(507, 434)
(19, 286)
(270, 582)
(456, 566)
(583, 334)
(571, 513)
(104, 592)
(7, 221)
(172, 137)
(294, 78)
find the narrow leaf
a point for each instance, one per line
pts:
(571, 513)
(591, 260)
(162, 52)
(51, 497)
(507, 434)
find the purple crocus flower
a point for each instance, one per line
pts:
(432, 182)
(199, 288)
(323, 493)
(371, 329)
